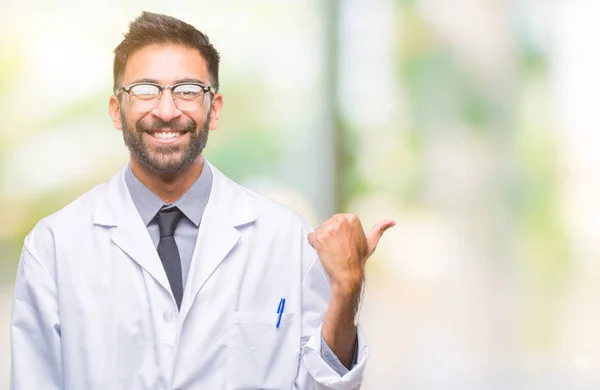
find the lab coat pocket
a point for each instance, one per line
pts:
(260, 355)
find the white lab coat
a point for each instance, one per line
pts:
(93, 308)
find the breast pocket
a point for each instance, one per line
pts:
(260, 355)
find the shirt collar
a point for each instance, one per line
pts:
(192, 203)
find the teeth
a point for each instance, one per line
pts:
(164, 135)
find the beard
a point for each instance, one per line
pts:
(165, 159)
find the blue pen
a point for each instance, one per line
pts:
(280, 311)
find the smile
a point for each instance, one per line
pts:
(166, 134)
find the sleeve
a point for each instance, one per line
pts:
(314, 372)
(36, 361)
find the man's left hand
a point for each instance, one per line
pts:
(343, 249)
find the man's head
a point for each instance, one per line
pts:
(165, 129)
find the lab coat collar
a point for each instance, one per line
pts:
(228, 211)
(229, 208)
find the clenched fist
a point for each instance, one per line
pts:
(343, 249)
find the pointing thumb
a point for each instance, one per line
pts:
(375, 234)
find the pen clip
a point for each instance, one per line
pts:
(280, 311)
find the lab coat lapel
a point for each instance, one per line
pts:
(227, 209)
(116, 209)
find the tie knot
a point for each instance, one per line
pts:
(168, 220)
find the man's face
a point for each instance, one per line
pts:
(164, 140)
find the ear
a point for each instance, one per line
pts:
(217, 104)
(114, 110)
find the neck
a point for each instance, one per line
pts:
(169, 188)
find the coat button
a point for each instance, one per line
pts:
(169, 315)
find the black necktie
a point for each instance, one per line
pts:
(168, 252)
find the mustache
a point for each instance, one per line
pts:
(158, 125)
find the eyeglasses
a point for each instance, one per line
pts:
(187, 96)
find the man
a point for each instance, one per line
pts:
(171, 276)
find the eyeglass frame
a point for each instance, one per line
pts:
(205, 88)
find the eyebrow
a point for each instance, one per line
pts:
(179, 81)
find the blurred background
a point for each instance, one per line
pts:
(472, 123)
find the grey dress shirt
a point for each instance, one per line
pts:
(192, 204)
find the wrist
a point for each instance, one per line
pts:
(342, 310)
(347, 290)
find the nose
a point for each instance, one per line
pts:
(166, 110)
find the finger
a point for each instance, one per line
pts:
(376, 233)
(312, 239)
